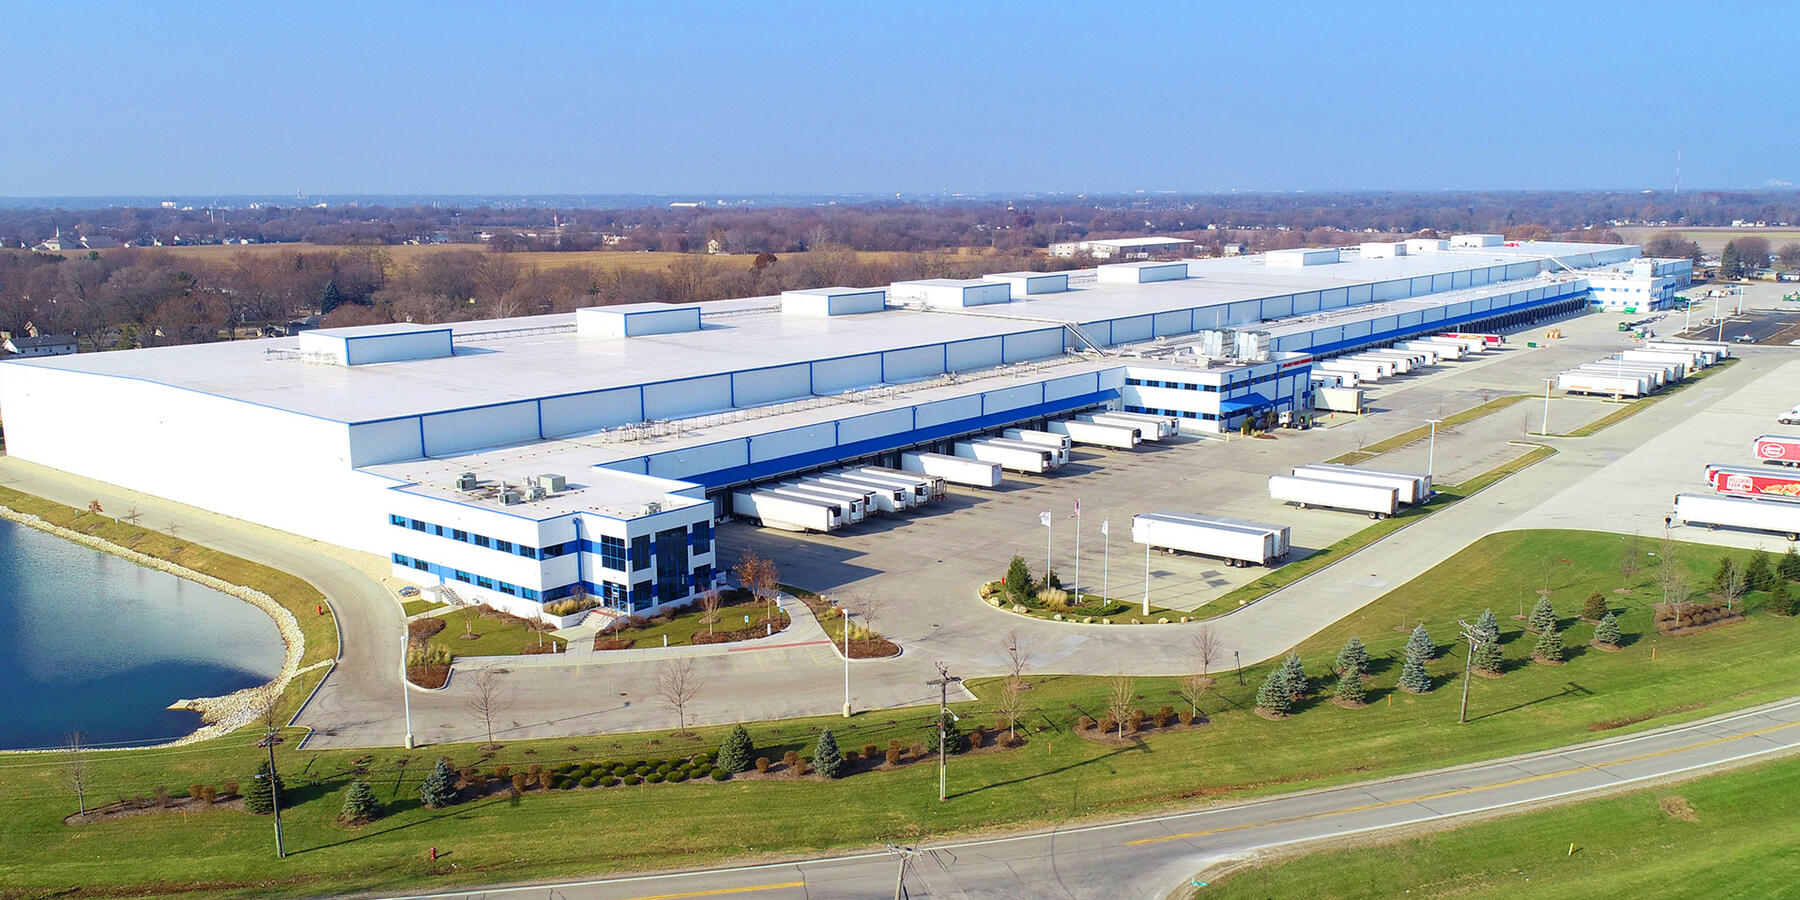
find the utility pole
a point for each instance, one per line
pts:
(1476, 639)
(906, 854)
(943, 683)
(270, 740)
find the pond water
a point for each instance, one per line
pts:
(93, 642)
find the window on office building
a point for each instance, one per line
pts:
(640, 552)
(612, 552)
(396, 520)
(503, 546)
(459, 534)
(482, 540)
(701, 537)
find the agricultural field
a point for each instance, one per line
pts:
(1712, 240)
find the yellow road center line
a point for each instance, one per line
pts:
(1422, 798)
(717, 891)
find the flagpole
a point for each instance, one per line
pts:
(1146, 579)
(1105, 558)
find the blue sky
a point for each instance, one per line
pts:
(747, 98)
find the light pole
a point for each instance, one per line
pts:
(1105, 559)
(1146, 579)
(1077, 552)
(405, 690)
(844, 612)
(1431, 449)
(1545, 431)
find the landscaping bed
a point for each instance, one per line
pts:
(687, 625)
(865, 641)
(485, 631)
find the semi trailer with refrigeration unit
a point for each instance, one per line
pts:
(1374, 501)
(954, 469)
(1238, 543)
(1414, 487)
(1773, 514)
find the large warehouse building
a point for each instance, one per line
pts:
(522, 461)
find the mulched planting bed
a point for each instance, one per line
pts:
(1698, 616)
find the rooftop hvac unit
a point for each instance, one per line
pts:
(536, 491)
(1214, 342)
(552, 483)
(466, 481)
(652, 508)
(511, 496)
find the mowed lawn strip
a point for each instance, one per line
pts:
(1055, 778)
(1719, 836)
(493, 636)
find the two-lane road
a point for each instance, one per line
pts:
(1151, 857)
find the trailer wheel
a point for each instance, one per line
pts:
(1793, 536)
(1375, 515)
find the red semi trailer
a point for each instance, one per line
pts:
(1777, 448)
(1751, 480)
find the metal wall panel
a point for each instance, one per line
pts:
(689, 461)
(1011, 398)
(1132, 330)
(1278, 307)
(579, 413)
(834, 375)
(1070, 386)
(950, 410)
(1034, 345)
(488, 426)
(914, 364)
(874, 425)
(381, 442)
(977, 353)
(1307, 303)
(792, 441)
(769, 385)
(1179, 322)
(689, 396)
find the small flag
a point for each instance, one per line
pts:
(1044, 518)
(1103, 531)
(1078, 508)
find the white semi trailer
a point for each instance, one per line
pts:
(1332, 379)
(1695, 360)
(865, 496)
(926, 488)
(1446, 350)
(1657, 375)
(1059, 456)
(1338, 399)
(1240, 544)
(902, 495)
(1577, 381)
(1472, 346)
(1122, 437)
(954, 469)
(1371, 500)
(786, 513)
(1164, 426)
(885, 498)
(1683, 362)
(1431, 355)
(1367, 370)
(1710, 353)
(1413, 487)
(1034, 461)
(1047, 439)
(1148, 430)
(850, 511)
(1775, 514)
(1402, 364)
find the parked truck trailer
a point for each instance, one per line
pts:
(1374, 501)
(1754, 480)
(1773, 514)
(1779, 448)
(954, 469)
(785, 513)
(885, 498)
(1095, 434)
(1414, 487)
(926, 488)
(1578, 381)
(850, 511)
(1445, 350)
(903, 494)
(1239, 544)
(1059, 456)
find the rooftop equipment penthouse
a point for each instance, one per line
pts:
(600, 446)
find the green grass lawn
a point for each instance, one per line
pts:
(413, 607)
(681, 628)
(1056, 778)
(1722, 836)
(494, 636)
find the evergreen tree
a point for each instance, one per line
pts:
(439, 787)
(259, 796)
(1489, 624)
(826, 758)
(1413, 677)
(1594, 608)
(1354, 657)
(360, 804)
(1489, 658)
(1730, 265)
(953, 736)
(1419, 646)
(1275, 695)
(1295, 673)
(1549, 645)
(1781, 599)
(736, 753)
(331, 298)
(1789, 568)
(1018, 579)
(1607, 632)
(1350, 687)
(1721, 575)
(1543, 616)
(1759, 575)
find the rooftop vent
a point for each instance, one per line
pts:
(551, 482)
(466, 481)
(629, 320)
(833, 301)
(510, 496)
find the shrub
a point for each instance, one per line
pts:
(1350, 688)
(1185, 717)
(678, 776)
(565, 768)
(360, 804)
(536, 769)
(791, 758)
(918, 751)
(1413, 677)
(208, 795)
(520, 783)
(606, 781)
(590, 781)
(1136, 719)
(1018, 583)
(229, 789)
(641, 770)
(1056, 598)
(852, 756)
(977, 738)
(1085, 722)
(422, 629)
(1607, 632)
(655, 777)
(1759, 575)
(762, 764)
(1163, 717)
(892, 757)
(503, 772)
(1595, 607)
(1108, 725)
(633, 779)
(1275, 695)
(439, 788)
(546, 780)
(260, 798)
(869, 751)
(1789, 567)
(1353, 657)
(1549, 646)
(193, 791)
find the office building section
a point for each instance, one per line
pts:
(522, 462)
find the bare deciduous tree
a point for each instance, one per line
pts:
(677, 684)
(1631, 558)
(759, 576)
(1731, 585)
(484, 700)
(709, 608)
(1673, 579)
(1119, 697)
(1018, 655)
(75, 770)
(1206, 647)
(1012, 702)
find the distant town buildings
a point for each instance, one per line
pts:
(1121, 248)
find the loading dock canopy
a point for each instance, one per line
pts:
(1246, 403)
